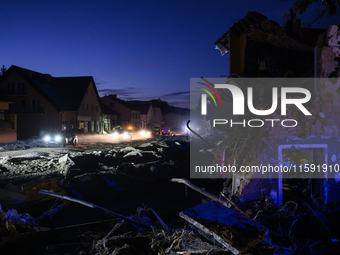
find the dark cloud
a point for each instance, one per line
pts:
(124, 92)
(176, 94)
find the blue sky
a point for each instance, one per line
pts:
(135, 49)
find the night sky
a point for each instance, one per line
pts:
(135, 49)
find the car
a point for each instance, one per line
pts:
(179, 131)
(121, 133)
(166, 131)
(60, 138)
(145, 133)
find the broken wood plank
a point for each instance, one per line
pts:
(207, 194)
(93, 206)
(206, 231)
(159, 219)
(223, 202)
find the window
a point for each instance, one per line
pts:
(36, 105)
(91, 92)
(10, 88)
(92, 107)
(22, 103)
(96, 108)
(87, 106)
(21, 88)
(92, 126)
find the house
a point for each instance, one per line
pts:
(259, 47)
(147, 114)
(109, 116)
(158, 118)
(128, 118)
(8, 123)
(43, 102)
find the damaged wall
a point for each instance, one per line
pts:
(315, 134)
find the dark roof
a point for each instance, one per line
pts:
(142, 107)
(108, 111)
(64, 93)
(73, 89)
(120, 101)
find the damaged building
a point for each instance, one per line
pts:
(259, 47)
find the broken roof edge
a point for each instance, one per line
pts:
(222, 49)
(258, 27)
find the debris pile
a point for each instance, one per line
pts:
(105, 204)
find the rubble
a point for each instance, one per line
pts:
(162, 217)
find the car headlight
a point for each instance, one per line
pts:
(47, 138)
(115, 133)
(126, 135)
(143, 133)
(58, 138)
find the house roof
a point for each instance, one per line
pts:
(108, 110)
(120, 101)
(64, 93)
(142, 107)
(259, 28)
